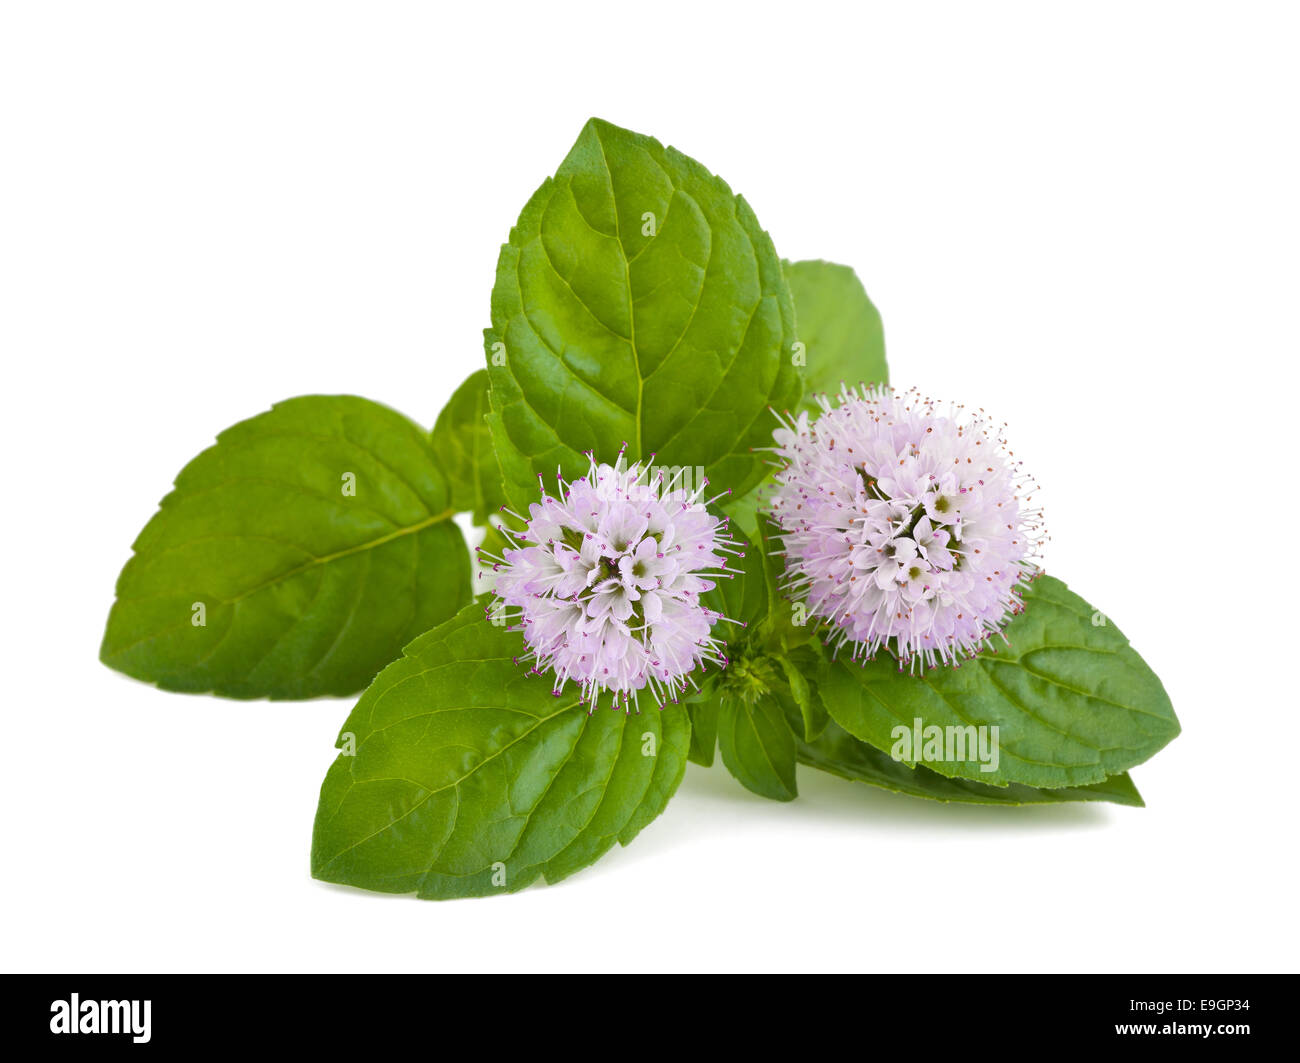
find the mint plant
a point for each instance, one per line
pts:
(810, 587)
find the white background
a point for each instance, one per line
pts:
(1081, 217)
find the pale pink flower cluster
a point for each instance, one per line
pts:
(605, 581)
(903, 525)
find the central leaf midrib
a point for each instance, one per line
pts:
(631, 301)
(383, 540)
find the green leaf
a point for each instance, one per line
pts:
(743, 511)
(839, 753)
(294, 558)
(1072, 700)
(758, 747)
(749, 676)
(813, 717)
(468, 777)
(674, 747)
(462, 449)
(844, 341)
(638, 301)
(780, 630)
(741, 596)
(486, 553)
(704, 730)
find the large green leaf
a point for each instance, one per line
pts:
(638, 301)
(462, 775)
(294, 558)
(462, 448)
(1072, 700)
(838, 752)
(839, 328)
